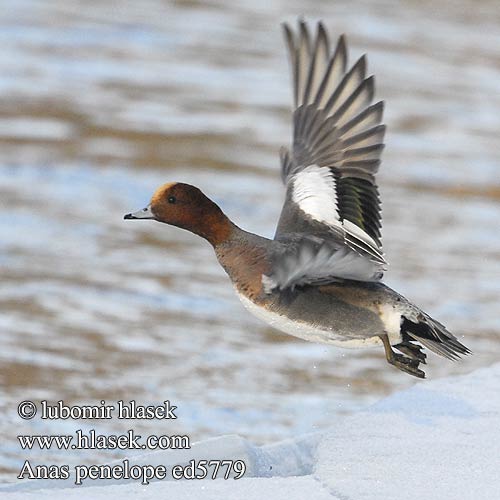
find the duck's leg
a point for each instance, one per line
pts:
(404, 363)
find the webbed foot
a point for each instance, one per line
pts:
(413, 351)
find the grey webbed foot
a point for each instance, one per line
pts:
(410, 362)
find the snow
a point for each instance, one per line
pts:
(439, 439)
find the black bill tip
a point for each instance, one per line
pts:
(129, 216)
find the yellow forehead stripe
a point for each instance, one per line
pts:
(158, 194)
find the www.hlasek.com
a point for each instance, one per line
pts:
(91, 440)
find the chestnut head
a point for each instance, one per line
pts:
(185, 206)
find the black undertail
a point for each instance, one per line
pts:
(433, 335)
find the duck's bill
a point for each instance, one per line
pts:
(145, 213)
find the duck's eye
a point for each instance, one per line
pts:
(172, 199)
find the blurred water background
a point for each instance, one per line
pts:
(103, 101)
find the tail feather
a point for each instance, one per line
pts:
(433, 335)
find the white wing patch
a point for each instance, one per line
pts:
(315, 192)
(314, 189)
(359, 233)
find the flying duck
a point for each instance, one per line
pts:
(319, 279)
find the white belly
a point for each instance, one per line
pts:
(306, 331)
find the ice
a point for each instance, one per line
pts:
(278, 488)
(438, 439)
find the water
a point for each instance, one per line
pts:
(101, 103)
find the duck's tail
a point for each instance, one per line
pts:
(433, 335)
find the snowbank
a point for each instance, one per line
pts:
(439, 439)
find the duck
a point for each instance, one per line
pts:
(320, 277)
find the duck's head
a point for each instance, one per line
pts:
(185, 206)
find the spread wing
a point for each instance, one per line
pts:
(330, 170)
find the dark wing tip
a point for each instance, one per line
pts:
(361, 64)
(341, 50)
(370, 86)
(342, 42)
(304, 29)
(321, 29)
(322, 38)
(287, 33)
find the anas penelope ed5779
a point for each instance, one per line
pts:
(320, 277)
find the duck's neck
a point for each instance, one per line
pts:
(215, 227)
